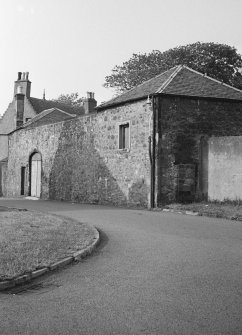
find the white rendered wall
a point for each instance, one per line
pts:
(225, 168)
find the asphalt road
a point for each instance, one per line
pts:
(153, 273)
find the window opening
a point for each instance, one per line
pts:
(124, 136)
(22, 179)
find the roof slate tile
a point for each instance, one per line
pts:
(48, 116)
(40, 105)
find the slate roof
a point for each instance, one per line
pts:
(179, 80)
(40, 105)
(48, 116)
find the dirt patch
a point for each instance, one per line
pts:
(32, 240)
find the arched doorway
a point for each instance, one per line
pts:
(35, 175)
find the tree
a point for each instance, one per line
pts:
(72, 99)
(218, 61)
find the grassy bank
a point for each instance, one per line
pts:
(31, 240)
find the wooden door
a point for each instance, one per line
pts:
(36, 175)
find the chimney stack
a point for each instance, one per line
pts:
(19, 100)
(23, 81)
(89, 103)
(21, 89)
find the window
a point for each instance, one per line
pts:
(124, 136)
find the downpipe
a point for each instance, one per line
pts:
(151, 146)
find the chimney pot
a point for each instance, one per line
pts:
(89, 95)
(27, 75)
(23, 76)
(19, 75)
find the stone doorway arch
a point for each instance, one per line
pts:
(35, 174)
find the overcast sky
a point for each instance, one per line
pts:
(71, 45)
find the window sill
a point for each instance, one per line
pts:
(124, 150)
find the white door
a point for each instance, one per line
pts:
(36, 175)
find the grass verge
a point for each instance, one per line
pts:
(32, 240)
(218, 210)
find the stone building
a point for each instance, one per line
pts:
(146, 147)
(23, 108)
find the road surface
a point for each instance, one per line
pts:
(153, 273)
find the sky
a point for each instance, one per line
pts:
(72, 45)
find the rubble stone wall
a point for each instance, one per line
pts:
(81, 159)
(183, 123)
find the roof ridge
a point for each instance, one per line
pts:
(144, 82)
(213, 79)
(40, 105)
(53, 101)
(56, 108)
(179, 80)
(172, 76)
